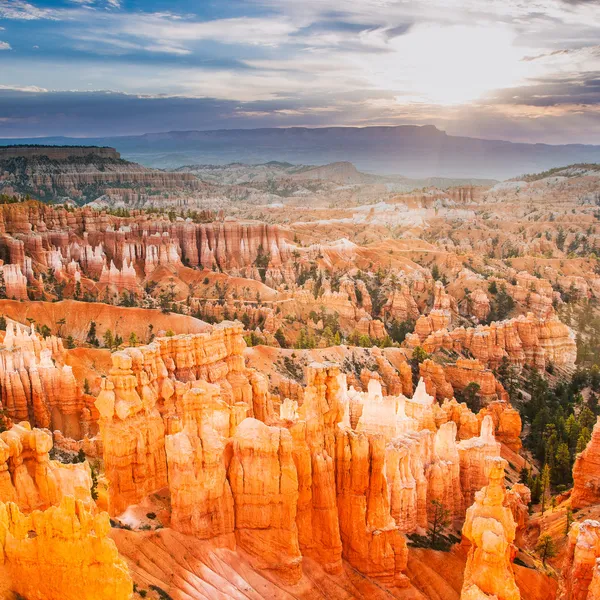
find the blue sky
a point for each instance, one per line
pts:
(524, 70)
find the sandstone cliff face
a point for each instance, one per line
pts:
(14, 281)
(490, 527)
(586, 473)
(580, 575)
(332, 473)
(30, 479)
(63, 553)
(37, 386)
(120, 252)
(201, 499)
(524, 340)
(57, 172)
(313, 429)
(401, 305)
(133, 436)
(53, 541)
(370, 537)
(474, 457)
(264, 483)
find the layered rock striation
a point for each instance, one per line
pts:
(62, 553)
(334, 474)
(523, 340)
(491, 529)
(586, 473)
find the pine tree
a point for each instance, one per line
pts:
(440, 520)
(544, 485)
(280, 337)
(584, 437)
(562, 464)
(92, 339)
(569, 520)
(109, 341)
(545, 547)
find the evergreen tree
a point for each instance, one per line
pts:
(439, 522)
(582, 441)
(92, 339)
(544, 486)
(108, 338)
(280, 337)
(471, 396)
(569, 521)
(562, 464)
(545, 547)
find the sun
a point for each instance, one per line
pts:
(450, 65)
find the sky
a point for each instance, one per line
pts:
(521, 70)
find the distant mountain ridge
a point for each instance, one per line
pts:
(81, 173)
(410, 151)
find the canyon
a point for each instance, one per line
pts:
(322, 387)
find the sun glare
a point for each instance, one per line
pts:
(451, 64)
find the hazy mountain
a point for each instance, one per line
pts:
(406, 150)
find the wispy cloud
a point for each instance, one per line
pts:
(4, 46)
(32, 89)
(21, 10)
(322, 61)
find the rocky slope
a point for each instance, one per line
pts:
(80, 173)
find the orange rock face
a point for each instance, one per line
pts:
(330, 474)
(201, 499)
(586, 473)
(524, 340)
(62, 553)
(401, 305)
(581, 577)
(371, 540)
(30, 479)
(264, 483)
(466, 371)
(434, 376)
(491, 529)
(34, 385)
(507, 423)
(313, 431)
(133, 436)
(474, 457)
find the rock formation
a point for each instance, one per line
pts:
(371, 539)
(474, 454)
(133, 436)
(62, 553)
(333, 473)
(30, 479)
(524, 340)
(586, 473)
(490, 527)
(264, 483)
(580, 574)
(37, 386)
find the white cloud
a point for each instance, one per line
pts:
(24, 11)
(23, 88)
(170, 29)
(5, 46)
